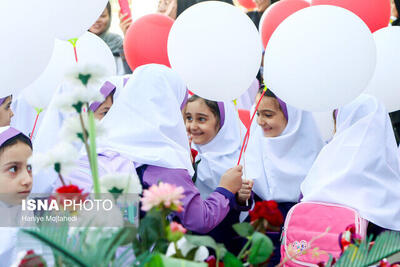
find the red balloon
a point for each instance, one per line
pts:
(277, 13)
(249, 4)
(375, 13)
(146, 41)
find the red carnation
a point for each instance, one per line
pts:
(32, 260)
(212, 262)
(70, 192)
(267, 210)
(194, 155)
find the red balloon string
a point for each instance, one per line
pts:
(246, 137)
(34, 126)
(76, 54)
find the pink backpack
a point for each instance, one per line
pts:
(308, 220)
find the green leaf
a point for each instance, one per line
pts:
(84, 78)
(160, 260)
(151, 229)
(231, 261)
(244, 229)
(261, 248)
(202, 240)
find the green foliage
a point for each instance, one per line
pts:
(72, 251)
(385, 245)
(160, 260)
(261, 248)
(231, 261)
(244, 229)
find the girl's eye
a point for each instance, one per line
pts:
(258, 114)
(29, 168)
(13, 169)
(202, 119)
(188, 118)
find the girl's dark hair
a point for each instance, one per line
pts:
(109, 8)
(213, 106)
(267, 93)
(14, 140)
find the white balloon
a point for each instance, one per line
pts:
(217, 58)
(325, 123)
(71, 18)
(320, 58)
(90, 50)
(385, 82)
(26, 45)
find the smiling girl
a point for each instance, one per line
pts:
(283, 145)
(5, 111)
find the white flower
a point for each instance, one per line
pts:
(93, 73)
(72, 128)
(185, 247)
(129, 183)
(66, 101)
(63, 154)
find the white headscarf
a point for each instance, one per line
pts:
(279, 164)
(146, 124)
(359, 168)
(221, 153)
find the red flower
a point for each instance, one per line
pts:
(69, 192)
(32, 260)
(194, 155)
(212, 262)
(267, 210)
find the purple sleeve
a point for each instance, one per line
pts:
(199, 215)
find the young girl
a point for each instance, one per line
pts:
(359, 168)
(146, 131)
(215, 131)
(15, 185)
(5, 111)
(283, 145)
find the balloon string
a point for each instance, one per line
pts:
(246, 137)
(38, 110)
(73, 42)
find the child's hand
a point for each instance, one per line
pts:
(244, 193)
(124, 22)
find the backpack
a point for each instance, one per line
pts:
(308, 220)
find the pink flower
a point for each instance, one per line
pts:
(176, 227)
(163, 195)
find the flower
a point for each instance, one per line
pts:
(267, 210)
(163, 195)
(72, 128)
(348, 237)
(75, 99)
(177, 227)
(212, 262)
(87, 75)
(62, 158)
(121, 183)
(29, 259)
(69, 192)
(175, 231)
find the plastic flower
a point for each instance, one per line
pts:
(175, 231)
(72, 128)
(163, 195)
(212, 262)
(75, 99)
(177, 227)
(87, 75)
(62, 158)
(28, 259)
(120, 183)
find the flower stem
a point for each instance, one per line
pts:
(85, 138)
(246, 246)
(61, 179)
(93, 154)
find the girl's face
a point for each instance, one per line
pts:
(201, 124)
(101, 24)
(15, 173)
(270, 117)
(6, 112)
(102, 110)
(394, 10)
